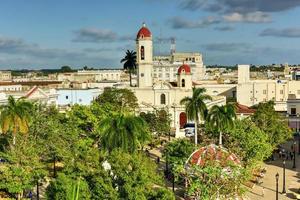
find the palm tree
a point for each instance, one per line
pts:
(15, 116)
(221, 118)
(124, 131)
(195, 106)
(129, 63)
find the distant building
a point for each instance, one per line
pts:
(69, 97)
(251, 92)
(293, 112)
(165, 67)
(5, 76)
(93, 75)
(35, 94)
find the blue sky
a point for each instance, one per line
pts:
(52, 33)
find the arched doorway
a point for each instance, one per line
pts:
(182, 119)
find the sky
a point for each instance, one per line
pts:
(37, 34)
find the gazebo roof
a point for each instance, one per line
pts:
(212, 153)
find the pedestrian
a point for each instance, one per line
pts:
(280, 154)
(291, 155)
(263, 191)
(30, 195)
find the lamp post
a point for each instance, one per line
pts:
(283, 185)
(277, 177)
(299, 142)
(298, 122)
(294, 163)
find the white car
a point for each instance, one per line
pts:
(189, 129)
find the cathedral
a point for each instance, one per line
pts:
(152, 93)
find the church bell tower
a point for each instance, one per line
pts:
(144, 50)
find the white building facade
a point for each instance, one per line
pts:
(153, 93)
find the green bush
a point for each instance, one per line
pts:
(64, 188)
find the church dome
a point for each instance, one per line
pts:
(184, 69)
(144, 32)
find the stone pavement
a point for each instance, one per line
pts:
(269, 181)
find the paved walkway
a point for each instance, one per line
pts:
(269, 181)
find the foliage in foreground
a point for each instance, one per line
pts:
(269, 121)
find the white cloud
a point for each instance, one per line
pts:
(254, 17)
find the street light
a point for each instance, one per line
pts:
(294, 163)
(298, 129)
(283, 185)
(277, 177)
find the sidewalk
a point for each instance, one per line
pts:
(269, 181)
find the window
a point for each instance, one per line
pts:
(182, 83)
(163, 99)
(281, 91)
(293, 111)
(67, 97)
(142, 53)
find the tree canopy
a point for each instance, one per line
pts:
(269, 121)
(118, 99)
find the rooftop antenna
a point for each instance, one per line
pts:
(159, 41)
(173, 45)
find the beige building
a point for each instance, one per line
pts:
(5, 76)
(154, 93)
(36, 94)
(252, 92)
(293, 112)
(93, 75)
(165, 67)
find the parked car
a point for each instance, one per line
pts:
(189, 129)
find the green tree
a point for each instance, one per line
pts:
(23, 167)
(268, 120)
(83, 117)
(65, 69)
(178, 151)
(221, 118)
(159, 121)
(129, 63)
(123, 130)
(135, 175)
(15, 116)
(195, 107)
(67, 188)
(118, 99)
(214, 181)
(248, 142)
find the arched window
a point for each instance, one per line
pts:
(142, 53)
(162, 99)
(182, 83)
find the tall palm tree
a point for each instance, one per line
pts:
(15, 116)
(129, 63)
(195, 106)
(221, 118)
(123, 130)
